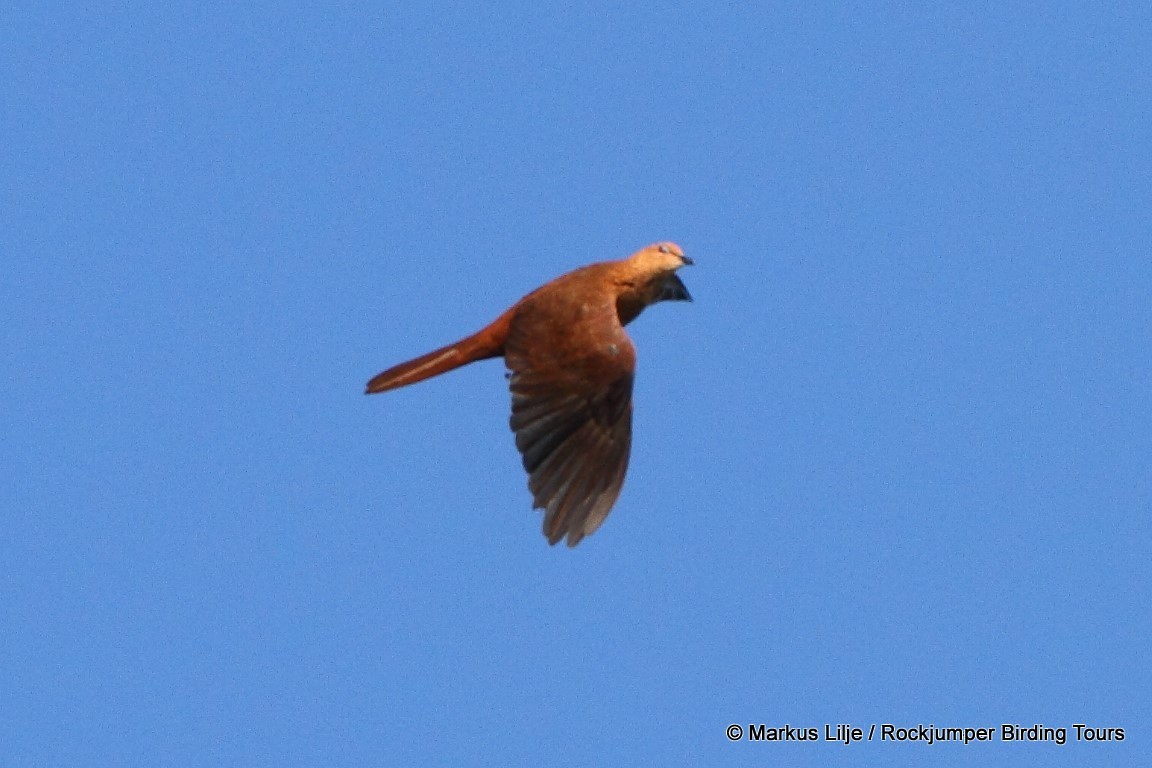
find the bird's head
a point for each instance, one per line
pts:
(658, 264)
(649, 276)
(660, 258)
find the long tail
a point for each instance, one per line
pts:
(480, 346)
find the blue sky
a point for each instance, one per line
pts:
(893, 465)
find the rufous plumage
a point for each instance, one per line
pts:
(572, 367)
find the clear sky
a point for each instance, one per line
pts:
(893, 465)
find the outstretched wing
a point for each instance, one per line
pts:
(571, 411)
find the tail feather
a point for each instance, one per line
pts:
(481, 346)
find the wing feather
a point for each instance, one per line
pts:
(572, 413)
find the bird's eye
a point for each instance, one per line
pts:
(664, 249)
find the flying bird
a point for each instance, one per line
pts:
(571, 367)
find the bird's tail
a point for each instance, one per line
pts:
(480, 346)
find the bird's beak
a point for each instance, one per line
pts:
(687, 261)
(673, 290)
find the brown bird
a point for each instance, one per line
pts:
(571, 369)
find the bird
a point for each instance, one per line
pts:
(571, 367)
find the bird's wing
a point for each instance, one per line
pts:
(571, 388)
